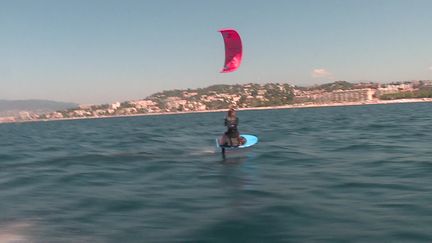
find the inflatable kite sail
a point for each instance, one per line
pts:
(233, 50)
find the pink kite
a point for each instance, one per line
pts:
(233, 50)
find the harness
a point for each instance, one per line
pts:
(232, 132)
(231, 124)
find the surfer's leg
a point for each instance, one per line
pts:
(223, 140)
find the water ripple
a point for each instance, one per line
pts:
(334, 174)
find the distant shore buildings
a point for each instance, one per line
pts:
(356, 95)
(242, 96)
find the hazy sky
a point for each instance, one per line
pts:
(98, 51)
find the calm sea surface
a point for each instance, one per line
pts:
(342, 174)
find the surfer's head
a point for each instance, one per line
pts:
(231, 112)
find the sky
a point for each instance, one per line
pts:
(102, 51)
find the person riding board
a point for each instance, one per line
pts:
(232, 137)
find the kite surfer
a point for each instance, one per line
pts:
(231, 138)
(233, 57)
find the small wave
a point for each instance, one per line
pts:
(204, 151)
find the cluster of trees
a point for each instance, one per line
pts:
(337, 85)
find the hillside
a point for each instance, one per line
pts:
(222, 96)
(14, 107)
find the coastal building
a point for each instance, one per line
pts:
(261, 92)
(140, 104)
(56, 115)
(201, 107)
(115, 105)
(24, 115)
(319, 96)
(110, 111)
(100, 112)
(175, 103)
(127, 111)
(394, 88)
(236, 98)
(81, 113)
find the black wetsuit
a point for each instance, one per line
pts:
(232, 132)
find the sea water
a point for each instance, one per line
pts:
(335, 174)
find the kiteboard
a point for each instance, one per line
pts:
(250, 140)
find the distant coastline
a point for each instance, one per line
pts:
(293, 106)
(250, 96)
